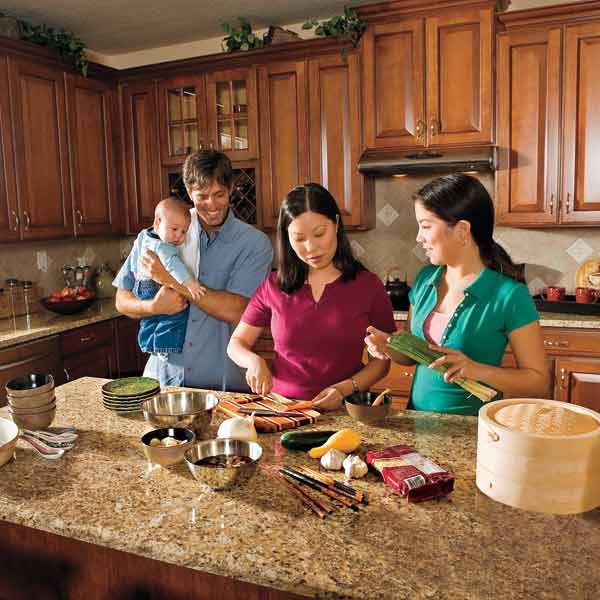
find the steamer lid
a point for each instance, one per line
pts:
(532, 417)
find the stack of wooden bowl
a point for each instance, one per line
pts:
(31, 400)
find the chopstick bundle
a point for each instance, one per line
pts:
(418, 349)
(342, 488)
(307, 499)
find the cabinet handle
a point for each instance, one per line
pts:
(552, 203)
(419, 129)
(16, 220)
(557, 343)
(27, 220)
(79, 216)
(67, 376)
(563, 379)
(434, 126)
(86, 338)
(568, 205)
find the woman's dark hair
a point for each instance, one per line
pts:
(292, 271)
(459, 197)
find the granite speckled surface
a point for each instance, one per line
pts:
(45, 323)
(464, 546)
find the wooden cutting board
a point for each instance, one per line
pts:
(229, 404)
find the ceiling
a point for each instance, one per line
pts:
(113, 27)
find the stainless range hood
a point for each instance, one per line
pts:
(393, 162)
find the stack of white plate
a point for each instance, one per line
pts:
(127, 394)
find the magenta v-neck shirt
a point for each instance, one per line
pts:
(319, 343)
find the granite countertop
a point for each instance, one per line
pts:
(45, 323)
(464, 546)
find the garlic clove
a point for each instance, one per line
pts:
(333, 459)
(354, 467)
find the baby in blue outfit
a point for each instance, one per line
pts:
(164, 334)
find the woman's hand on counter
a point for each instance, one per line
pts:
(258, 376)
(459, 364)
(329, 399)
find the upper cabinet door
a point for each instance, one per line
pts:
(284, 133)
(90, 114)
(394, 84)
(183, 117)
(142, 154)
(42, 157)
(581, 175)
(459, 77)
(232, 113)
(334, 99)
(528, 84)
(9, 219)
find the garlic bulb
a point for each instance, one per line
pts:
(354, 467)
(333, 459)
(238, 428)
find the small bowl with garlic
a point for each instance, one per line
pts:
(167, 446)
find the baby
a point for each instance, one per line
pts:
(164, 334)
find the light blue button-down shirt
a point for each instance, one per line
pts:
(236, 258)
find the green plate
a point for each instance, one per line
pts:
(130, 386)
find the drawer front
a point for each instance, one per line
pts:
(85, 338)
(571, 341)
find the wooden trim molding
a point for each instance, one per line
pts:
(551, 15)
(383, 11)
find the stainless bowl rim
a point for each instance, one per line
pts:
(147, 401)
(252, 446)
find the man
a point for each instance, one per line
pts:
(229, 258)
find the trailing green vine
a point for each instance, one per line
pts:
(240, 39)
(345, 27)
(66, 43)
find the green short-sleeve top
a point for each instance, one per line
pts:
(493, 306)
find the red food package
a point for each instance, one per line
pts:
(412, 475)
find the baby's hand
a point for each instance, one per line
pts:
(196, 289)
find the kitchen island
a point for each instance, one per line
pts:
(145, 527)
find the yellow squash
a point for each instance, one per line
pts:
(344, 440)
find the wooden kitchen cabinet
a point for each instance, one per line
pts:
(284, 143)
(141, 153)
(91, 106)
(578, 381)
(335, 136)
(428, 78)
(89, 351)
(130, 359)
(9, 220)
(39, 356)
(41, 150)
(547, 117)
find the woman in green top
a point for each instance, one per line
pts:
(468, 303)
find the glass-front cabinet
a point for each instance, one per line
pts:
(231, 100)
(183, 117)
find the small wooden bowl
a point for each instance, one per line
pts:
(358, 406)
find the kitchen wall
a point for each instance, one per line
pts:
(552, 256)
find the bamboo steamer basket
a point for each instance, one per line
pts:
(557, 474)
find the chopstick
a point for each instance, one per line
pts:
(305, 499)
(333, 484)
(321, 487)
(323, 503)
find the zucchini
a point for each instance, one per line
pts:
(304, 440)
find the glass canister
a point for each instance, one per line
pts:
(104, 279)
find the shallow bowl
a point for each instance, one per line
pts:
(15, 410)
(167, 455)
(33, 421)
(9, 433)
(358, 406)
(192, 410)
(67, 307)
(30, 402)
(219, 477)
(30, 385)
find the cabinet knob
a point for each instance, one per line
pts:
(79, 216)
(86, 338)
(568, 204)
(419, 129)
(434, 126)
(27, 220)
(16, 220)
(563, 378)
(67, 376)
(552, 203)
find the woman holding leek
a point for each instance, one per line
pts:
(468, 304)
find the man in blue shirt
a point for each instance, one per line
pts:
(229, 257)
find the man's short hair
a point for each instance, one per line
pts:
(200, 169)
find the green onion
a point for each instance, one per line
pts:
(418, 349)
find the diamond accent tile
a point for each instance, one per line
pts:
(357, 249)
(387, 215)
(419, 253)
(579, 250)
(536, 285)
(87, 258)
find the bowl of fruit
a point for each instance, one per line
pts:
(69, 300)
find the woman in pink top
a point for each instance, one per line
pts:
(318, 305)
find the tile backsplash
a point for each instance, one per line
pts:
(552, 256)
